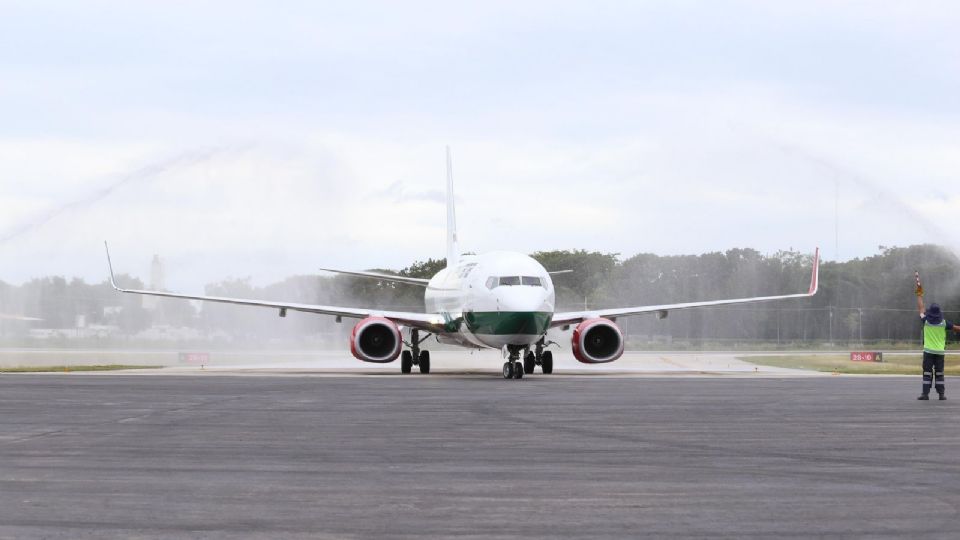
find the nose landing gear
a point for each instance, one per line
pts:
(512, 368)
(515, 369)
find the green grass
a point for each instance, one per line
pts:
(67, 369)
(893, 364)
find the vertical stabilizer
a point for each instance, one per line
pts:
(453, 252)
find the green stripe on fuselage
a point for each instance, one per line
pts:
(532, 323)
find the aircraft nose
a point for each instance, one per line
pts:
(520, 311)
(522, 299)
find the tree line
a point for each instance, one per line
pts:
(866, 299)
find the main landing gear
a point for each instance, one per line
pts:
(539, 357)
(514, 369)
(415, 357)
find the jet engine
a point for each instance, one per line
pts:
(596, 341)
(375, 339)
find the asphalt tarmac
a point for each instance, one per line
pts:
(114, 456)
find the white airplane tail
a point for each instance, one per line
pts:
(453, 252)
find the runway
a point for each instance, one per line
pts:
(252, 456)
(489, 362)
(444, 362)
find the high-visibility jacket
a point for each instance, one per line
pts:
(935, 337)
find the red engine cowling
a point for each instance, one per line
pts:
(375, 339)
(596, 341)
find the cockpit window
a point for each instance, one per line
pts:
(530, 281)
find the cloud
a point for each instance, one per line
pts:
(621, 128)
(398, 192)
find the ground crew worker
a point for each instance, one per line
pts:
(934, 345)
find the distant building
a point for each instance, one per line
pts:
(16, 325)
(165, 332)
(89, 331)
(157, 283)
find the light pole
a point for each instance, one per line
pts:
(778, 328)
(831, 325)
(860, 323)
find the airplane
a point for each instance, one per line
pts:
(500, 300)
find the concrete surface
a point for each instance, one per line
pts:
(450, 361)
(460, 361)
(108, 456)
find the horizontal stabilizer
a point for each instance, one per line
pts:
(8, 317)
(384, 277)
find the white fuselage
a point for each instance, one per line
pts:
(492, 300)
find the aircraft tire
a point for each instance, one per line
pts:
(546, 362)
(508, 370)
(517, 370)
(424, 362)
(529, 363)
(406, 362)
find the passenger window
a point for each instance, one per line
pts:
(510, 280)
(532, 280)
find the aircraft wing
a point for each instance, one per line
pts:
(574, 317)
(424, 321)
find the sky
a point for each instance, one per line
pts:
(266, 139)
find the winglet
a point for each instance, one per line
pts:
(815, 276)
(113, 282)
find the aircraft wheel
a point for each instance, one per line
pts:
(517, 370)
(529, 362)
(508, 370)
(546, 362)
(424, 362)
(406, 362)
